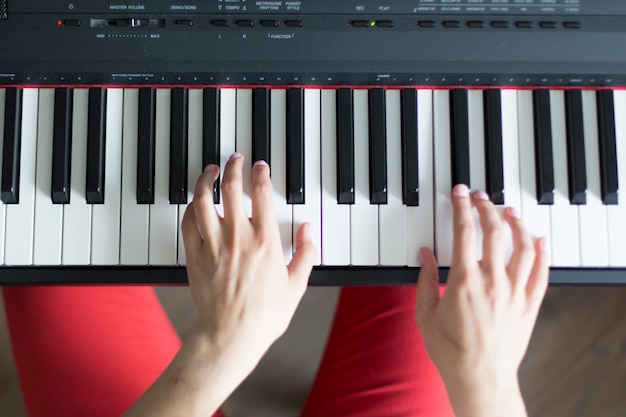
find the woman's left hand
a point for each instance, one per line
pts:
(245, 294)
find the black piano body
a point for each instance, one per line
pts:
(565, 44)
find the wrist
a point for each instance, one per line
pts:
(485, 393)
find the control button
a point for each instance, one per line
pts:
(245, 23)
(184, 23)
(69, 22)
(571, 25)
(362, 23)
(476, 24)
(451, 24)
(524, 24)
(500, 24)
(547, 25)
(269, 23)
(221, 23)
(293, 23)
(427, 24)
(385, 23)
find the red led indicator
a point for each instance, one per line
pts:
(59, 22)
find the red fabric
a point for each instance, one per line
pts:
(93, 351)
(375, 363)
(87, 351)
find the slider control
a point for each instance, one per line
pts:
(127, 22)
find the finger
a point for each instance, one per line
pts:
(261, 193)
(232, 189)
(523, 255)
(427, 284)
(464, 232)
(204, 209)
(538, 280)
(493, 232)
(191, 233)
(302, 262)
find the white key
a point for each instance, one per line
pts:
(244, 141)
(335, 216)
(443, 177)
(77, 214)
(564, 216)
(392, 220)
(536, 217)
(20, 218)
(594, 250)
(228, 127)
(163, 215)
(282, 210)
(2, 206)
(105, 231)
(510, 158)
(135, 217)
(194, 161)
(420, 219)
(478, 177)
(617, 214)
(364, 216)
(48, 216)
(311, 211)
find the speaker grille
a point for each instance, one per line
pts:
(3, 9)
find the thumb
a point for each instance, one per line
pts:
(302, 262)
(427, 283)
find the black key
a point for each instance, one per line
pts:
(459, 137)
(410, 179)
(345, 146)
(378, 146)
(261, 125)
(10, 191)
(96, 144)
(211, 134)
(295, 146)
(544, 161)
(178, 145)
(607, 146)
(146, 145)
(576, 164)
(494, 162)
(62, 145)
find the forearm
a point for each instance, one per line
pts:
(196, 383)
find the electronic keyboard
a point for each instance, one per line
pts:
(368, 113)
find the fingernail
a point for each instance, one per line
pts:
(545, 245)
(235, 155)
(481, 195)
(210, 168)
(461, 190)
(513, 212)
(260, 162)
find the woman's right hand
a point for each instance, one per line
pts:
(478, 332)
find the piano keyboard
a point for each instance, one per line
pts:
(103, 176)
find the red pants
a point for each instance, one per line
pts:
(93, 351)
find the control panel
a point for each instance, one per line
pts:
(313, 42)
(417, 7)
